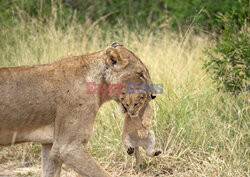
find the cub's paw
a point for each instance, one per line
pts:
(157, 153)
(130, 150)
(142, 133)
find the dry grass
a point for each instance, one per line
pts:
(202, 132)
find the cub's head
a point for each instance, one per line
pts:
(123, 67)
(133, 103)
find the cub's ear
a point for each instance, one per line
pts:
(153, 96)
(122, 109)
(121, 97)
(114, 60)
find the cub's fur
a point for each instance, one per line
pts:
(136, 128)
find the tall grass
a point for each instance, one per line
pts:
(201, 131)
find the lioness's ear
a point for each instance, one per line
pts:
(114, 60)
(115, 44)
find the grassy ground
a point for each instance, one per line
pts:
(202, 132)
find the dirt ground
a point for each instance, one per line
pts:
(18, 169)
(12, 169)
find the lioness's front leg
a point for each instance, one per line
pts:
(73, 129)
(50, 166)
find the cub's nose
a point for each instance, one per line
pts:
(132, 113)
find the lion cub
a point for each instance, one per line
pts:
(136, 128)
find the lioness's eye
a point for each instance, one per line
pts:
(136, 104)
(142, 76)
(126, 105)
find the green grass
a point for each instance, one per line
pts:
(201, 131)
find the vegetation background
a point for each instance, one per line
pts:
(198, 49)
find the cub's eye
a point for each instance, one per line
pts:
(126, 105)
(136, 104)
(142, 97)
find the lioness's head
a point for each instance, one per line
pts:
(125, 67)
(133, 103)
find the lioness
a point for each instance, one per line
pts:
(136, 129)
(49, 104)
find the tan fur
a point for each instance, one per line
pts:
(136, 129)
(38, 102)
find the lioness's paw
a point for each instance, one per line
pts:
(130, 150)
(137, 168)
(157, 153)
